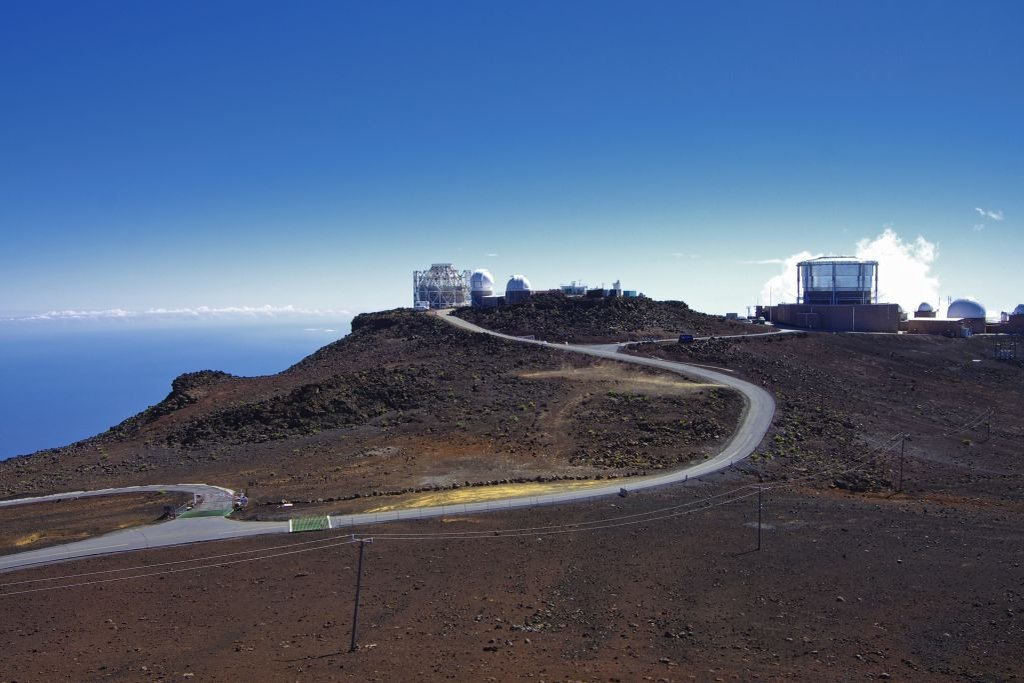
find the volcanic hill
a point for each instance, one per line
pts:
(855, 581)
(405, 403)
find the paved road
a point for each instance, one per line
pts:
(209, 497)
(757, 415)
(176, 532)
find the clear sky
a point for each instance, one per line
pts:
(312, 154)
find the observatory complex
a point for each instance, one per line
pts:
(836, 293)
(444, 286)
(833, 293)
(964, 317)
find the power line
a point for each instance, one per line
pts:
(161, 564)
(174, 571)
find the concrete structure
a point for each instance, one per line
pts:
(442, 286)
(518, 289)
(491, 301)
(574, 288)
(1009, 323)
(835, 318)
(581, 289)
(837, 280)
(947, 327)
(1015, 321)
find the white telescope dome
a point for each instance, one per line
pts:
(518, 283)
(965, 308)
(481, 281)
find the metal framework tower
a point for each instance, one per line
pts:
(442, 286)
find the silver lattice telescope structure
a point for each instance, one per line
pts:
(440, 287)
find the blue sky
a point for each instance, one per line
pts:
(246, 154)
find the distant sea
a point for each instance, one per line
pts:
(64, 381)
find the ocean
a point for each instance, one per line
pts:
(64, 381)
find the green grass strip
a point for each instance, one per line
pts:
(309, 523)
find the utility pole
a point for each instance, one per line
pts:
(359, 580)
(903, 448)
(759, 488)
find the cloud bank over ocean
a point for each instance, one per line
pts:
(199, 314)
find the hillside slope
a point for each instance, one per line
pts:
(406, 402)
(555, 317)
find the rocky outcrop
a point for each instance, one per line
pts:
(555, 317)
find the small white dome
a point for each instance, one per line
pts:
(481, 281)
(518, 283)
(925, 307)
(965, 308)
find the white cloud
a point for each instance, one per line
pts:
(904, 271)
(978, 227)
(764, 262)
(782, 287)
(196, 313)
(994, 215)
(904, 268)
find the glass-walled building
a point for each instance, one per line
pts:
(837, 280)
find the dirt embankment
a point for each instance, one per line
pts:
(555, 317)
(38, 525)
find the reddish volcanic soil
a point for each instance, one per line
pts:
(853, 582)
(844, 588)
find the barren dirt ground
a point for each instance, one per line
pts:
(845, 588)
(853, 582)
(28, 527)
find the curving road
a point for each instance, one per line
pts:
(176, 532)
(757, 415)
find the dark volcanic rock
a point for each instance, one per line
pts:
(186, 389)
(555, 317)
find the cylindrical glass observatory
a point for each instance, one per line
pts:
(837, 280)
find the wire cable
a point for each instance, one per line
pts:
(160, 564)
(174, 571)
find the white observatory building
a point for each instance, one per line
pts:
(481, 286)
(518, 289)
